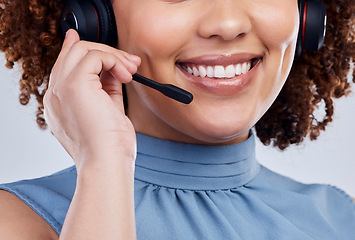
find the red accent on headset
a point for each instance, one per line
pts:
(98, 25)
(304, 23)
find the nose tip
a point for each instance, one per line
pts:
(230, 29)
(226, 21)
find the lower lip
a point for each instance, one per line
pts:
(223, 86)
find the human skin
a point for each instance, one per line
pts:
(166, 32)
(85, 111)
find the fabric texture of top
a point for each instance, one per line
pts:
(186, 191)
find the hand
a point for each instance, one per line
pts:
(84, 106)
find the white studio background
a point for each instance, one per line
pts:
(28, 152)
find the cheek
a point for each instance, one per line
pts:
(279, 36)
(154, 30)
(277, 24)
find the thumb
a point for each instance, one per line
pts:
(71, 37)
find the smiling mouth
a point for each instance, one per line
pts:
(219, 71)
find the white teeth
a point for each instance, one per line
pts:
(244, 68)
(203, 71)
(238, 69)
(210, 72)
(218, 71)
(195, 72)
(230, 71)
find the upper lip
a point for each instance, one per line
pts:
(225, 60)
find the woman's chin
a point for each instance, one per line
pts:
(219, 134)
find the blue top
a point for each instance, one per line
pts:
(185, 191)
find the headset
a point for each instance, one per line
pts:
(94, 20)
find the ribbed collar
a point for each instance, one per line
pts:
(195, 167)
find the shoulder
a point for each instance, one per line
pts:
(47, 197)
(325, 195)
(19, 222)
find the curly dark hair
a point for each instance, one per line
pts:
(29, 34)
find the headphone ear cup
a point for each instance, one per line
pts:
(301, 6)
(107, 22)
(315, 25)
(312, 28)
(81, 16)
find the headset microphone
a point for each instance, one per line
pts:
(168, 90)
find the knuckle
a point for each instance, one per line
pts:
(92, 53)
(78, 44)
(60, 92)
(48, 95)
(80, 47)
(48, 98)
(95, 53)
